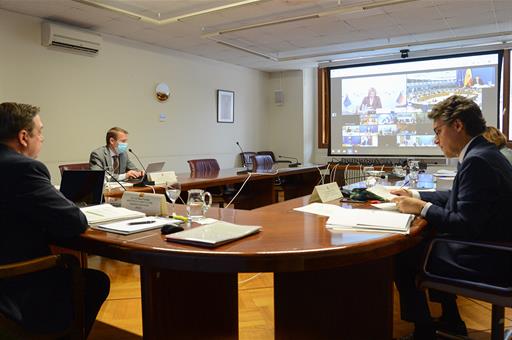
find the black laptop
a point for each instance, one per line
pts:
(83, 187)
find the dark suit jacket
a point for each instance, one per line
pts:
(33, 214)
(478, 208)
(100, 159)
(479, 205)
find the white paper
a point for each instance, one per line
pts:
(322, 209)
(386, 206)
(107, 213)
(445, 173)
(381, 191)
(371, 220)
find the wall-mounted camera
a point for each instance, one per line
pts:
(404, 53)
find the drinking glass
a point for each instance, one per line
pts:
(414, 168)
(173, 190)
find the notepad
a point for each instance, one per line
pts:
(137, 225)
(104, 213)
(213, 235)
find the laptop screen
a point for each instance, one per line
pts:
(155, 167)
(83, 187)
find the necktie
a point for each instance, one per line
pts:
(116, 164)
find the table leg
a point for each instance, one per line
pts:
(352, 302)
(255, 194)
(189, 305)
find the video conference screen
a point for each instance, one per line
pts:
(381, 109)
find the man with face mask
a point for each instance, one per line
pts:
(114, 156)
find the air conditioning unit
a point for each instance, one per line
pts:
(70, 38)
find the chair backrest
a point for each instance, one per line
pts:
(207, 165)
(270, 153)
(74, 166)
(262, 162)
(246, 158)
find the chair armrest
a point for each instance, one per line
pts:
(481, 286)
(29, 266)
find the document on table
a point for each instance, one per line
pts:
(213, 235)
(389, 206)
(370, 220)
(322, 209)
(103, 213)
(445, 173)
(136, 225)
(382, 192)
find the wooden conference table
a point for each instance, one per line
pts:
(259, 190)
(327, 285)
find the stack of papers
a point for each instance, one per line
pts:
(137, 225)
(103, 213)
(212, 235)
(370, 220)
(445, 173)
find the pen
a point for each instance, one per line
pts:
(141, 222)
(404, 184)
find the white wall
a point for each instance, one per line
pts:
(310, 109)
(286, 121)
(81, 97)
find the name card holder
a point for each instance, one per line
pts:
(326, 192)
(163, 177)
(150, 204)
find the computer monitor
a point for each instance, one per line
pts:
(83, 187)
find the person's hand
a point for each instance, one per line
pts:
(134, 174)
(401, 192)
(409, 205)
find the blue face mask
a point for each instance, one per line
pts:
(122, 147)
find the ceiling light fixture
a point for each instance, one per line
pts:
(178, 18)
(259, 54)
(342, 10)
(406, 45)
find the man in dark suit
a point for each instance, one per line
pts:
(34, 214)
(114, 156)
(476, 209)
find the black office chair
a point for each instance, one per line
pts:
(9, 329)
(246, 158)
(74, 166)
(264, 163)
(209, 168)
(271, 154)
(498, 294)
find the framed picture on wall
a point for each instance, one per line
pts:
(225, 106)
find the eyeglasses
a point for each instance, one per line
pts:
(437, 129)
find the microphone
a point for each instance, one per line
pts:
(291, 165)
(144, 180)
(111, 176)
(246, 170)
